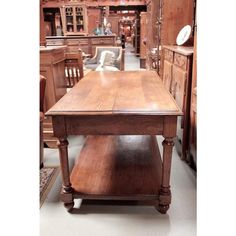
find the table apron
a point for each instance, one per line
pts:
(108, 125)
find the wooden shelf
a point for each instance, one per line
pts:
(118, 167)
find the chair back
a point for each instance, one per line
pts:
(74, 68)
(42, 87)
(116, 50)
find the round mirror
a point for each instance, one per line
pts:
(183, 35)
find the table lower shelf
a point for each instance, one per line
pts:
(118, 168)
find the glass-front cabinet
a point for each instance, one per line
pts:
(69, 19)
(74, 20)
(79, 19)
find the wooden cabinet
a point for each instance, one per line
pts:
(137, 35)
(94, 16)
(152, 11)
(74, 20)
(177, 78)
(87, 44)
(143, 39)
(52, 64)
(192, 154)
(114, 20)
(52, 67)
(165, 19)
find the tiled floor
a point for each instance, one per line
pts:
(132, 62)
(117, 219)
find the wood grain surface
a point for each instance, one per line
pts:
(118, 166)
(120, 92)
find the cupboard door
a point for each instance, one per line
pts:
(179, 86)
(79, 19)
(180, 61)
(169, 55)
(94, 16)
(193, 125)
(167, 75)
(69, 19)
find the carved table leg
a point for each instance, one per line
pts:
(165, 193)
(67, 191)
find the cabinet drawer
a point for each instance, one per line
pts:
(54, 42)
(180, 61)
(83, 41)
(169, 55)
(102, 41)
(72, 42)
(72, 49)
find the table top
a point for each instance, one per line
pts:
(119, 92)
(185, 50)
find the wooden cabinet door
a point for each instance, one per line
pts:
(143, 34)
(178, 86)
(69, 19)
(167, 75)
(94, 16)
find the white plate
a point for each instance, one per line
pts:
(183, 35)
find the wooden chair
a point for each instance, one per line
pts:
(41, 109)
(94, 62)
(74, 70)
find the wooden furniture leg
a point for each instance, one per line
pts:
(170, 125)
(165, 193)
(67, 190)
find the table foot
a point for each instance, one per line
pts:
(164, 200)
(162, 208)
(68, 199)
(69, 206)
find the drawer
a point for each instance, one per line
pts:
(169, 55)
(102, 41)
(83, 41)
(72, 42)
(54, 42)
(180, 61)
(72, 49)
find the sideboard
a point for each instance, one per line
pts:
(177, 78)
(88, 44)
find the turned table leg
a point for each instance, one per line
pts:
(169, 133)
(67, 190)
(165, 193)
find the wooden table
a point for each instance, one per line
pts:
(120, 112)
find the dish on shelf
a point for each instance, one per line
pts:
(183, 35)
